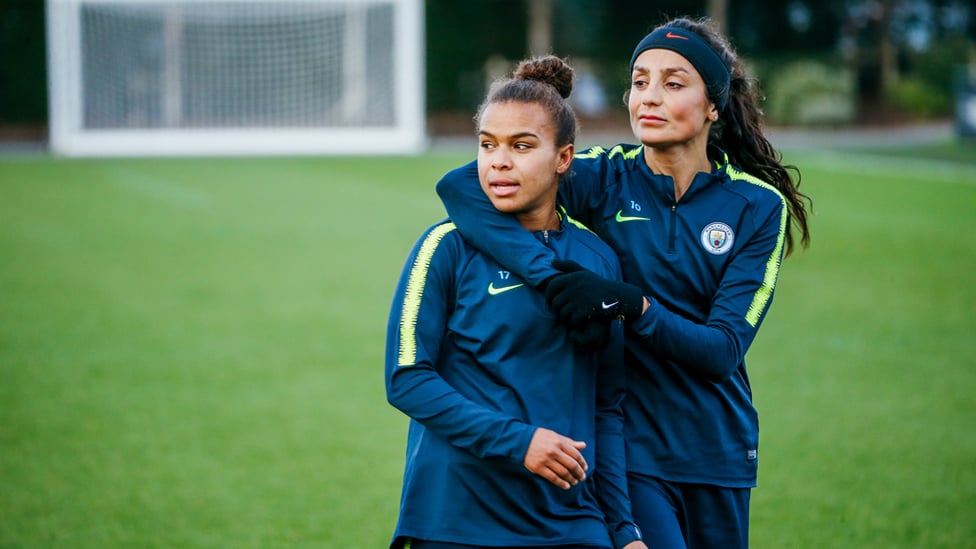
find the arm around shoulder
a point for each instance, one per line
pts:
(497, 234)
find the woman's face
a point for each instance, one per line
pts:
(668, 103)
(519, 163)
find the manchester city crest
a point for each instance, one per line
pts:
(717, 238)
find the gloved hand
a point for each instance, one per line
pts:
(578, 296)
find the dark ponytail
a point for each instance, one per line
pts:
(739, 132)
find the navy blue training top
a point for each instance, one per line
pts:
(476, 360)
(708, 265)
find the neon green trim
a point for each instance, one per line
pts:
(578, 224)
(563, 216)
(765, 291)
(629, 154)
(407, 355)
(596, 152)
(592, 152)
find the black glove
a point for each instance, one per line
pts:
(589, 337)
(578, 296)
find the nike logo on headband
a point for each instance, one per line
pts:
(672, 35)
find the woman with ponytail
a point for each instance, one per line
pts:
(515, 438)
(701, 213)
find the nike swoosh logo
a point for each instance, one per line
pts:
(623, 218)
(495, 291)
(606, 305)
(673, 35)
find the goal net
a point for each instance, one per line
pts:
(235, 77)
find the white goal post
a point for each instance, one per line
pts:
(235, 77)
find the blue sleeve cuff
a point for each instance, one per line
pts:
(628, 533)
(524, 439)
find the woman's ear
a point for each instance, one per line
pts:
(713, 113)
(565, 155)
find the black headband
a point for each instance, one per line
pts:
(701, 55)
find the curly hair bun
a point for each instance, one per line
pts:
(548, 69)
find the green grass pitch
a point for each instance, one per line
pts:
(191, 353)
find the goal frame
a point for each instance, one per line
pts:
(405, 135)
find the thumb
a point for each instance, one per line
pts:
(567, 265)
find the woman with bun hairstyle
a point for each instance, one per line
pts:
(701, 214)
(515, 437)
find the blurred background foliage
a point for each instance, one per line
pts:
(820, 62)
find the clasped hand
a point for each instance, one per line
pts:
(586, 303)
(579, 296)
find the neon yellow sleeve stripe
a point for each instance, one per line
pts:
(407, 355)
(563, 216)
(765, 291)
(595, 152)
(592, 152)
(629, 155)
